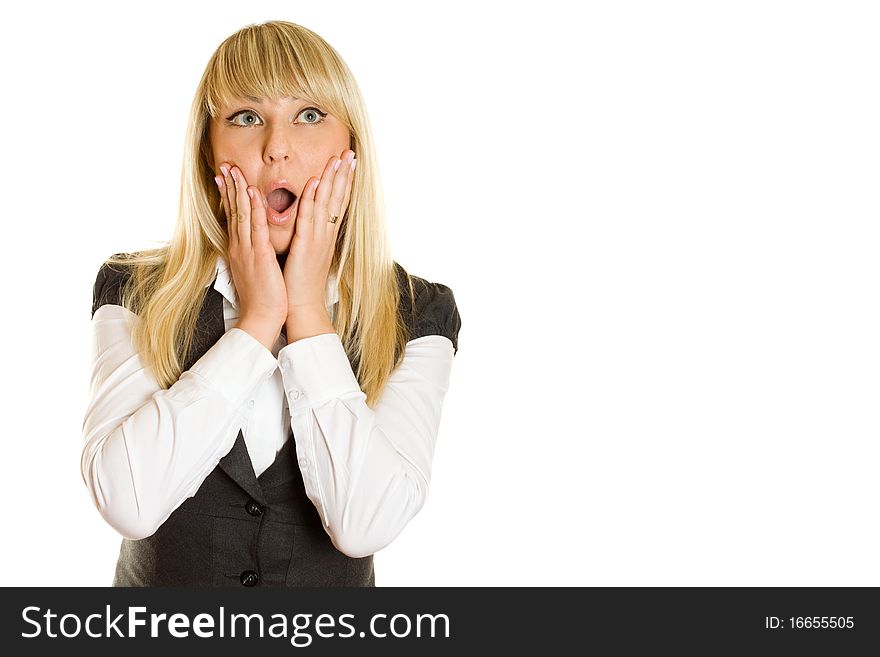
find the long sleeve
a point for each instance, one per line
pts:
(366, 470)
(147, 449)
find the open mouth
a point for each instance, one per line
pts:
(281, 200)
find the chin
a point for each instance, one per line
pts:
(281, 243)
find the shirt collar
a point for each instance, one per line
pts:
(225, 286)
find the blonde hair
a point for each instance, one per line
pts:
(167, 285)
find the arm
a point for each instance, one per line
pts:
(146, 449)
(366, 470)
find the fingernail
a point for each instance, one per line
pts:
(250, 192)
(353, 164)
(336, 164)
(219, 181)
(225, 171)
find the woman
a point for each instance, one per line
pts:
(267, 387)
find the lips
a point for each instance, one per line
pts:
(281, 201)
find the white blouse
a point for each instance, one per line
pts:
(147, 449)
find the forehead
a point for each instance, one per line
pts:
(263, 101)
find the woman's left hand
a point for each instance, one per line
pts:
(314, 237)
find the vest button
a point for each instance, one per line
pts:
(254, 508)
(249, 578)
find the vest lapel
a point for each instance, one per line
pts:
(283, 468)
(210, 327)
(237, 464)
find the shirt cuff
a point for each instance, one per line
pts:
(236, 365)
(315, 370)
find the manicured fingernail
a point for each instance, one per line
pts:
(219, 181)
(353, 164)
(336, 164)
(225, 171)
(250, 192)
(315, 184)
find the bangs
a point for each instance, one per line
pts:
(265, 62)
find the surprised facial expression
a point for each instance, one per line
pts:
(282, 140)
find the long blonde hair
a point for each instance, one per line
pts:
(167, 285)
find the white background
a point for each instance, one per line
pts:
(660, 223)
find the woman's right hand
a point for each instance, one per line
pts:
(259, 282)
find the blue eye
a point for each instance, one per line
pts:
(314, 111)
(248, 113)
(251, 117)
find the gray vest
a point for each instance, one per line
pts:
(243, 530)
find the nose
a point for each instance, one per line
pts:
(276, 155)
(278, 146)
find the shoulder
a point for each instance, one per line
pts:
(428, 307)
(109, 283)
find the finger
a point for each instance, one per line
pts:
(338, 195)
(348, 189)
(228, 193)
(222, 191)
(305, 214)
(328, 183)
(259, 220)
(243, 208)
